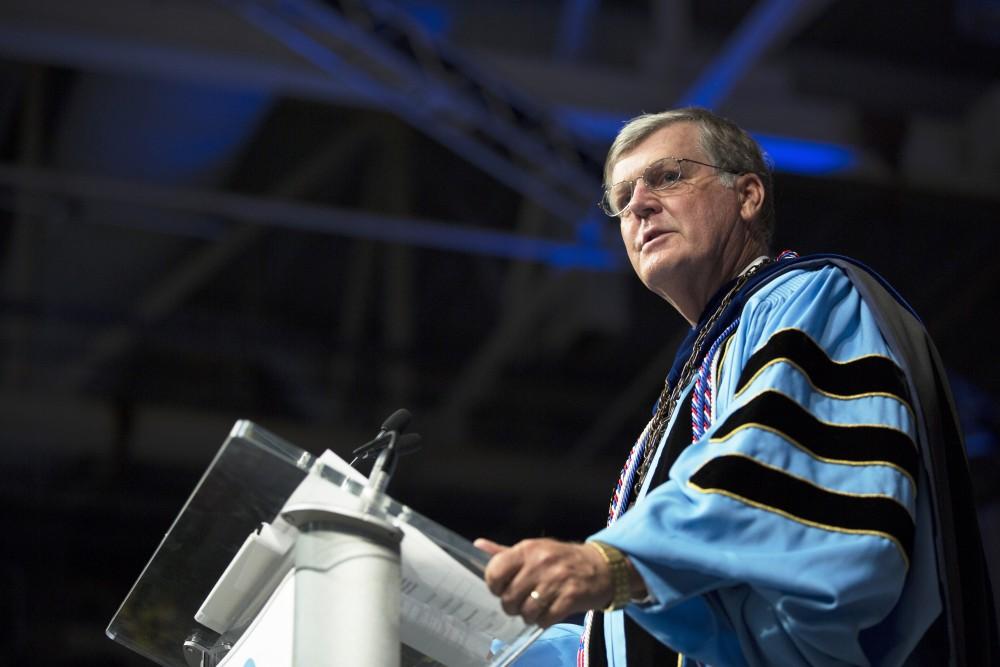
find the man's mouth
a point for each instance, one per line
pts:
(651, 235)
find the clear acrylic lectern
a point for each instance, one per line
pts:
(277, 553)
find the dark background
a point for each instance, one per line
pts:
(310, 215)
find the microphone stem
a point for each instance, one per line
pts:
(380, 474)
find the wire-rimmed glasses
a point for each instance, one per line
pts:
(662, 174)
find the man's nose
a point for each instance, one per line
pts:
(644, 202)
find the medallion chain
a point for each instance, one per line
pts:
(669, 396)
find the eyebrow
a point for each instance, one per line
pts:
(644, 167)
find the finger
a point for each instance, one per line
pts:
(502, 568)
(513, 596)
(539, 573)
(535, 606)
(489, 546)
(561, 572)
(556, 611)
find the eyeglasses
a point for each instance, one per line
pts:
(663, 174)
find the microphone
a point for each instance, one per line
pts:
(389, 444)
(406, 443)
(397, 421)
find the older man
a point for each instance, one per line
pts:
(799, 496)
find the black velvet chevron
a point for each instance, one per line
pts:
(850, 444)
(678, 439)
(756, 483)
(860, 376)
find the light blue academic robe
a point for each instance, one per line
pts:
(780, 537)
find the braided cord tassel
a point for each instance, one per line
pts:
(698, 404)
(619, 501)
(583, 652)
(702, 406)
(621, 496)
(701, 401)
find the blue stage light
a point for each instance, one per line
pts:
(812, 158)
(435, 18)
(790, 155)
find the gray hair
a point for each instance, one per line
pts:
(725, 144)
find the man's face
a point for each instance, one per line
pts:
(682, 234)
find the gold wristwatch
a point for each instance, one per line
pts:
(618, 567)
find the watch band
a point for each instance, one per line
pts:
(618, 567)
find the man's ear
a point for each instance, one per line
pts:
(751, 191)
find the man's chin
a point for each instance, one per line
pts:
(659, 275)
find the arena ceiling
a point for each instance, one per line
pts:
(311, 213)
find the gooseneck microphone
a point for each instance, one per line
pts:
(394, 425)
(397, 421)
(406, 443)
(390, 443)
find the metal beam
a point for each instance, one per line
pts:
(673, 42)
(64, 41)
(479, 371)
(574, 26)
(384, 55)
(643, 390)
(176, 436)
(338, 221)
(157, 41)
(390, 184)
(197, 269)
(767, 23)
(20, 263)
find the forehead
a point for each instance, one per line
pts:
(675, 140)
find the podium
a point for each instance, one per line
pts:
(283, 559)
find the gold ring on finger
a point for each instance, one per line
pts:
(537, 597)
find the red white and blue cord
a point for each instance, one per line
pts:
(701, 420)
